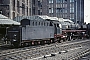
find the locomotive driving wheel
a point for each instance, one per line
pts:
(15, 44)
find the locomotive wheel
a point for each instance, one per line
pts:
(39, 42)
(36, 42)
(63, 39)
(15, 44)
(59, 41)
(51, 41)
(32, 43)
(42, 42)
(26, 43)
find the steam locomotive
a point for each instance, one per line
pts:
(35, 32)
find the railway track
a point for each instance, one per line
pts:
(41, 51)
(72, 54)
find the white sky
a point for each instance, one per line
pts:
(87, 11)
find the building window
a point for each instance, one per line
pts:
(59, 5)
(47, 24)
(27, 11)
(17, 3)
(23, 5)
(40, 0)
(64, 1)
(14, 5)
(50, 5)
(72, 5)
(44, 23)
(33, 2)
(59, 10)
(23, 8)
(50, 10)
(39, 23)
(64, 10)
(65, 16)
(71, 16)
(18, 6)
(13, 14)
(38, 12)
(50, 1)
(71, 10)
(33, 10)
(39, 4)
(59, 1)
(36, 23)
(65, 5)
(71, 0)
(33, 23)
(27, 2)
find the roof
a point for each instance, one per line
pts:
(3, 17)
(36, 17)
(6, 21)
(48, 17)
(19, 18)
(67, 20)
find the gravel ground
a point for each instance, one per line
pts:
(67, 51)
(63, 55)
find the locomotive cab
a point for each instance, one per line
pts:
(13, 34)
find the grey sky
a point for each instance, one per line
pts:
(87, 11)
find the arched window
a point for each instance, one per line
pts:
(51, 24)
(36, 23)
(44, 23)
(39, 23)
(47, 24)
(33, 23)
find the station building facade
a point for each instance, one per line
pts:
(68, 9)
(13, 8)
